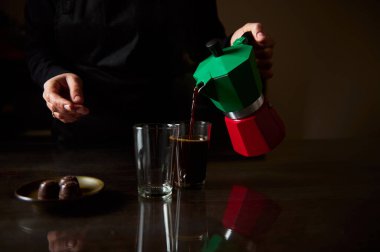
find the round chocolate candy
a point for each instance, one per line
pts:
(68, 179)
(69, 190)
(48, 189)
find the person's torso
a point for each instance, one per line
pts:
(129, 50)
(112, 34)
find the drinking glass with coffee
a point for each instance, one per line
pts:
(191, 153)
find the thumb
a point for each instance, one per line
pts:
(258, 33)
(260, 37)
(256, 29)
(75, 86)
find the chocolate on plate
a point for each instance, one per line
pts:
(66, 188)
(69, 190)
(48, 189)
(68, 179)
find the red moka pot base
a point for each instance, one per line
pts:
(249, 213)
(258, 134)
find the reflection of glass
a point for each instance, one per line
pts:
(191, 232)
(155, 232)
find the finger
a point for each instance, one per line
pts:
(67, 118)
(72, 115)
(50, 106)
(264, 63)
(56, 100)
(57, 114)
(257, 31)
(264, 40)
(267, 63)
(237, 34)
(266, 74)
(80, 109)
(263, 53)
(265, 71)
(75, 86)
(248, 27)
(259, 34)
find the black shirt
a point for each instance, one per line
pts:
(117, 38)
(130, 55)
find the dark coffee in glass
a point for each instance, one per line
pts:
(191, 147)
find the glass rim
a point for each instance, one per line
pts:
(168, 124)
(199, 122)
(156, 125)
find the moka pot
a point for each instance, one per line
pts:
(231, 80)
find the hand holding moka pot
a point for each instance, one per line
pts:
(230, 78)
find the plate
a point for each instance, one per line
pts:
(89, 186)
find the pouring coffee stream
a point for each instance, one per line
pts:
(231, 80)
(193, 108)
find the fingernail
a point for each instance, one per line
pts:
(77, 98)
(260, 35)
(67, 107)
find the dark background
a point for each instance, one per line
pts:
(326, 63)
(23, 115)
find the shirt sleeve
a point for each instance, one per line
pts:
(42, 59)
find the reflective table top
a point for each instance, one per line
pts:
(320, 195)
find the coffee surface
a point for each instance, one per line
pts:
(191, 161)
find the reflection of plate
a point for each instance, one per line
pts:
(88, 185)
